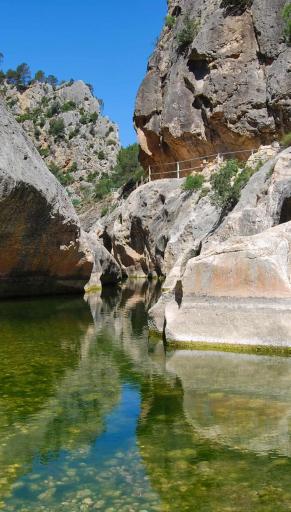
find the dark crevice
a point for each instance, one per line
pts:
(285, 215)
(202, 102)
(235, 7)
(264, 60)
(179, 292)
(199, 68)
(189, 85)
(176, 11)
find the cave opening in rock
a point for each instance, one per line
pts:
(199, 68)
(285, 211)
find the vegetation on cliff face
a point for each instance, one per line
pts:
(127, 172)
(228, 182)
(65, 123)
(286, 14)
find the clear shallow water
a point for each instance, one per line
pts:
(95, 417)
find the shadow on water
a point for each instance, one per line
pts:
(91, 419)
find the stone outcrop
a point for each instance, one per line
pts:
(227, 88)
(42, 248)
(238, 289)
(158, 225)
(88, 145)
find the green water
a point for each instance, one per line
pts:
(93, 416)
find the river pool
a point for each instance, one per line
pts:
(95, 416)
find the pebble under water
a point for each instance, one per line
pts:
(95, 416)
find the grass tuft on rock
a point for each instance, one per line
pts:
(193, 182)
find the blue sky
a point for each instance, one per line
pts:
(106, 43)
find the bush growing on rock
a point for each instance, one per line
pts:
(228, 182)
(127, 170)
(170, 21)
(189, 31)
(286, 140)
(53, 110)
(286, 14)
(193, 182)
(57, 128)
(64, 178)
(69, 105)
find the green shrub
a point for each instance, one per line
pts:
(53, 110)
(222, 182)
(101, 155)
(286, 140)
(84, 119)
(57, 128)
(73, 167)
(37, 133)
(27, 116)
(170, 21)
(111, 142)
(103, 187)
(127, 169)
(286, 15)
(104, 211)
(228, 182)
(193, 182)
(189, 31)
(93, 117)
(44, 152)
(76, 202)
(69, 105)
(74, 133)
(64, 178)
(42, 122)
(91, 176)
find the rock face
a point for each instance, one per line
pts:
(238, 289)
(157, 225)
(42, 248)
(84, 149)
(227, 88)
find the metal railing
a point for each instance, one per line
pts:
(185, 167)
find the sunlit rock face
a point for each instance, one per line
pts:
(237, 289)
(42, 249)
(228, 88)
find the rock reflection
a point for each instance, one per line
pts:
(242, 401)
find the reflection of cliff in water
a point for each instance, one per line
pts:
(57, 385)
(218, 438)
(241, 401)
(61, 373)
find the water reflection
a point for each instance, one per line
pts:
(93, 417)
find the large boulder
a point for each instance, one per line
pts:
(227, 88)
(42, 248)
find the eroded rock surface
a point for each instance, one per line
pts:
(158, 225)
(238, 289)
(226, 90)
(42, 248)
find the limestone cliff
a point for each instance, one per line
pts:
(42, 247)
(218, 80)
(67, 127)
